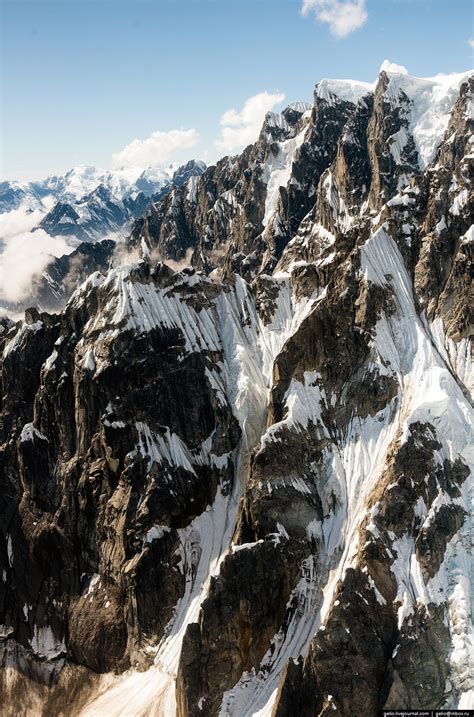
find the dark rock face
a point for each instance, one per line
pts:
(345, 667)
(244, 608)
(82, 480)
(242, 484)
(221, 216)
(95, 215)
(376, 656)
(414, 679)
(64, 275)
(390, 155)
(445, 262)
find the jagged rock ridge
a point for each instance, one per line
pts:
(245, 487)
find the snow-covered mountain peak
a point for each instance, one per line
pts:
(301, 107)
(347, 90)
(83, 179)
(426, 102)
(431, 100)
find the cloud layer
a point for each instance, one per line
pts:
(342, 16)
(157, 149)
(24, 254)
(238, 129)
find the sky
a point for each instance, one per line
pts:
(136, 82)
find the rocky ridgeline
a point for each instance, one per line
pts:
(244, 487)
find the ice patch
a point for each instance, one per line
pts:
(29, 432)
(277, 172)
(45, 644)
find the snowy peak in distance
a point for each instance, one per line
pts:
(83, 180)
(111, 206)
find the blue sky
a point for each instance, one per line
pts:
(82, 80)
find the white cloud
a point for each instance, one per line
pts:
(470, 42)
(388, 66)
(24, 257)
(157, 149)
(18, 221)
(238, 129)
(342, 16)
(24, 254)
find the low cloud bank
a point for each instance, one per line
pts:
(238, 129)
(25, 252)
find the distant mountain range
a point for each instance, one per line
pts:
(85, 206)
(79, 182)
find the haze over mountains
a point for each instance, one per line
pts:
(237, 464)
